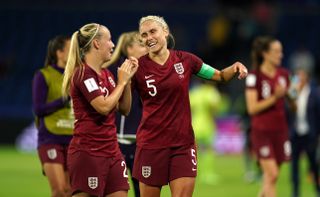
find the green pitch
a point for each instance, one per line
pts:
(20, 175)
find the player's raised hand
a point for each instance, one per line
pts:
(124, 72)
(134, 65)
(280, 91)
(238, 67)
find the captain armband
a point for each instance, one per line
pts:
(206, 71)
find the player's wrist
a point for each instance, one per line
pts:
(275, 98)
(122, 82)
(129, 83)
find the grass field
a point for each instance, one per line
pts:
(20, 175)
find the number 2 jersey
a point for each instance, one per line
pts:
(164, 91)
(94, 133)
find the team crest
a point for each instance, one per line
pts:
(179, 68)
(52, 153)
(264, 151)
(111, 81)
(146, 171)
(93, 182)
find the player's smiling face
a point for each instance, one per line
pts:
(153, 35)
(274, 54)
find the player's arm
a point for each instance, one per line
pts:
(210, 73)
(228, 73)
(105, 104)
(125, 101)
(39, 97)
(254, 106)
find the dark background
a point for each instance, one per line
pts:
(220, 32)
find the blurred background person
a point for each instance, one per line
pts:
(54, 117)
(205, 101)
(304, 126)
(266, 89)
(128, 45)
(302, 58)
(252, 171)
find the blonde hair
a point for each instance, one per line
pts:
(125, 40)
(80, 44)
(160, 20)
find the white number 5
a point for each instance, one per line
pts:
(153, 92)
(193, 154)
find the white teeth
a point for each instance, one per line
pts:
(151, 44)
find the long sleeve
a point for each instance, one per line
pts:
(39, 96)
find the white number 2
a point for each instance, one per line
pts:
(125, 174)
(153, 92)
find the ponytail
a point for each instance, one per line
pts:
(74, 60)
(260, 45)
(80, 44)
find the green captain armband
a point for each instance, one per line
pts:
(206, 71)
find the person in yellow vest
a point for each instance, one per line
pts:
(205, 101)
(53, 116)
